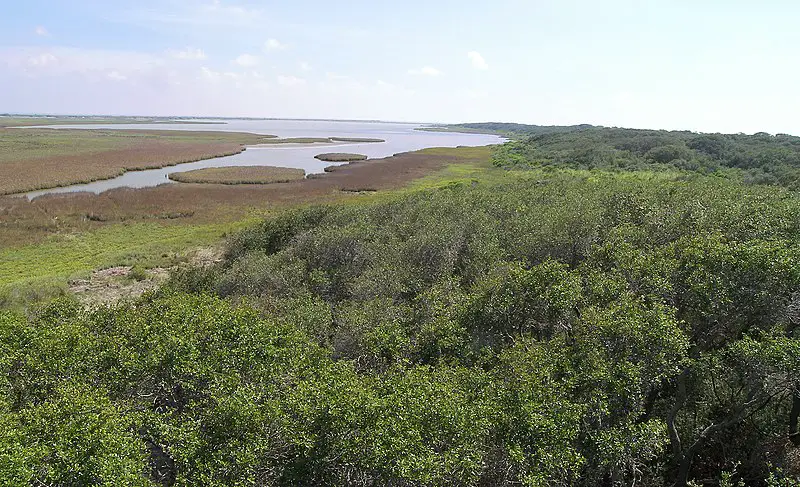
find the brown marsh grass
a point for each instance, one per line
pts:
(32, 159)
(340, 157)
(239, 175)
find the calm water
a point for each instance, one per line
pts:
(399, 138)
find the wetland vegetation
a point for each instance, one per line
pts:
(340, 157)
(240, 175)
(33, 158)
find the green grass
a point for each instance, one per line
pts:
(145, 244)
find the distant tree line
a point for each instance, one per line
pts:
(755, 159)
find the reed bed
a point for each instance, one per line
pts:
(239, 175)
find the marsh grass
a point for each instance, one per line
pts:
(239, 175)
(40, 158)
(32, 159)
(340, 157)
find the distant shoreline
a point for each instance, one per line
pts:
(204, 119)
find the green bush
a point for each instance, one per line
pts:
(558, 326)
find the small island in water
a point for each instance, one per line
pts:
(340, 157)
(239, 175)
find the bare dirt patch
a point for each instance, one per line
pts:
(107, 286)
(113, 284)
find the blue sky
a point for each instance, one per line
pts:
(707, 65)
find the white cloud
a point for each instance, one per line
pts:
(116, 76)
(42, 60)
(41, 31)
(247, 60)
(210, 74)
(221, 76)
(117, 81)
(290, 81)
(477, 60)
(426, 71)
(61, 61)
(386, 88)
(336, 77)
(188, 53)
(472, 94)
(305, 66)
(274, 45)
(209, 14)
(335, 83)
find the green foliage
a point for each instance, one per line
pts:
(540, 301)
(138, 273)
(559, 326)
(755, 159)
(642, 281)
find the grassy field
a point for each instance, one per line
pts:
(32, 272)
(340, 157)
(46, 241)
(33, 159)
(239, 175)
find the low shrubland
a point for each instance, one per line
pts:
(562, 327)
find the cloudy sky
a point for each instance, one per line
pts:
(709, 65)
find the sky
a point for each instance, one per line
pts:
(702, 65)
